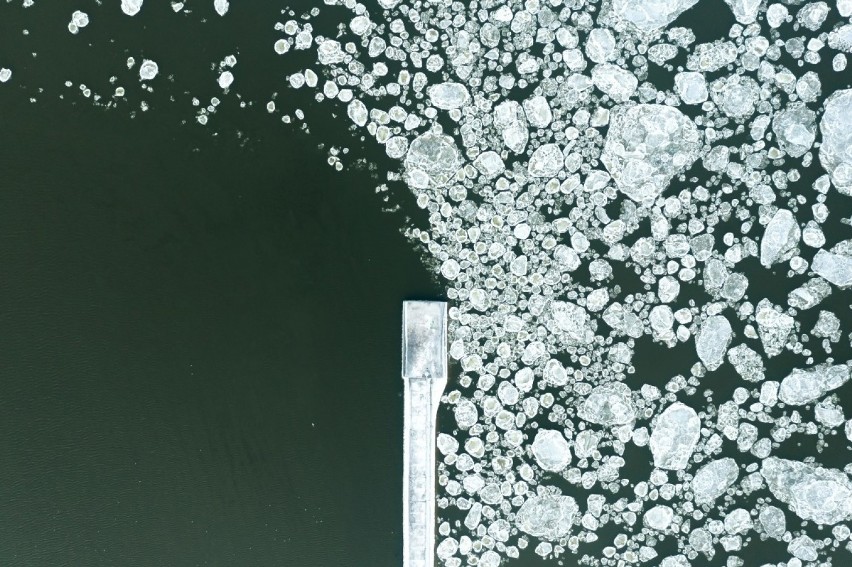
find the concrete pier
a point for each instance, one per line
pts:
(424, 371)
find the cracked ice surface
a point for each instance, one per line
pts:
(642, 230)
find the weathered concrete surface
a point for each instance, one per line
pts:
(424, 370)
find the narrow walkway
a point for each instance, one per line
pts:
(424, 370)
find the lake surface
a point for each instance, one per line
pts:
(199, 362)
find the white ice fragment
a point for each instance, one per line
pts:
(131, 7)
(780, 238)
(835, 153)
(80, 19)
(803, 548)
(448, 96)
(600, 45)
(546, 161)
(357, 112)
(647, 145)
(712, 341)
(650, 15)
(659, 517)
(148, 70)
(221, 6)
(795, 128)
(772, 521)
(450, 269)
(738, 521)
(773, 327)
(619, 84)
(747, 363)
(329, 52)
(745, 11)
(431, 161)
(555, 373)
(551, 450)
(674, 436)
(735, 95)
(489, 164)
(835, 268)
(813, 493)
(360, 25)
(538, 112)
(466, 414)
(776, 15)
(5, 74)
(547, 517)
(802, 387)
(713, 479)
(691, 87)
(675, 561)
(609, 404)
(281, 46)
(510, 121)
(571, 321)
(225, 79)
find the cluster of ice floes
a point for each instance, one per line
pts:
(645, 240)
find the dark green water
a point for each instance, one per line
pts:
(199, 350)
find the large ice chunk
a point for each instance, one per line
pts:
(131, 7)
(547, 517)
(745, 11)
(835, 268)
(614, 81)
(650, 15)
(510, 121)
(551, 450)
(432, 161)
(674, 436)
(780, 238)
(802, 387)
(835, 153)
(812, 492)
(795, 128)
(546, 161)
(609, 404)
(713, 479)
(448, 96)
(713, 340)
(647, 145)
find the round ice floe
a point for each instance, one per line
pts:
(281, 46)
(547, 517)
(466, 414)
(148, 70)
(448, 96)
(5, 74)
(551, 450)
(712, 341)
(659, 517)
(546, 161)
(221, 6)
(131, 7)
(736, 95)
(674, 437)
(432, 161)
(225, 79)
(691, 87)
